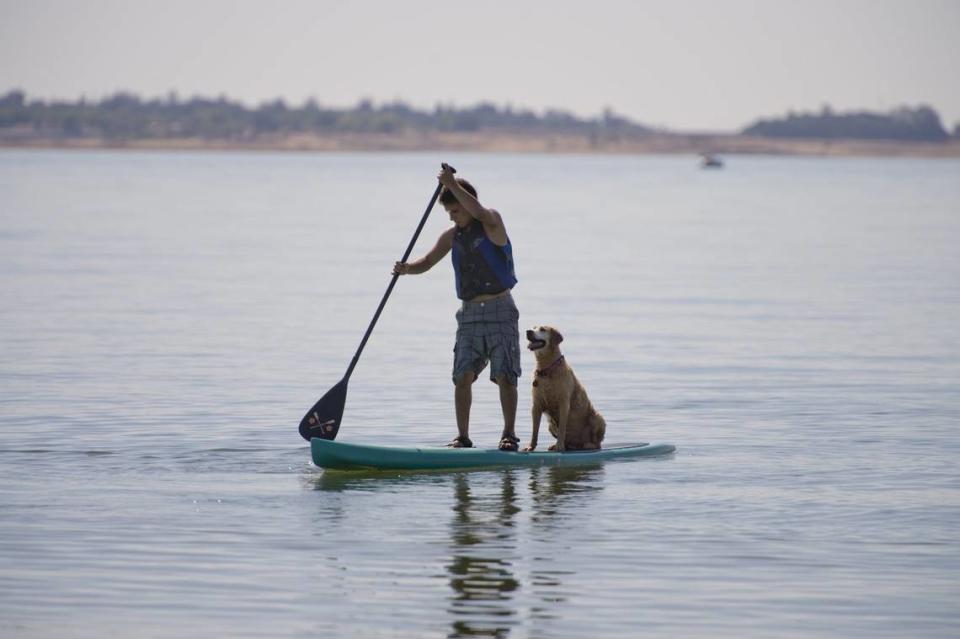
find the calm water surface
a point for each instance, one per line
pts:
(792, 324)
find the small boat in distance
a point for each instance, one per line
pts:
(710, 161)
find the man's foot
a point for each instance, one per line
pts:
(510, 443)
(460, 441)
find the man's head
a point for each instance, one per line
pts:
(457, 213)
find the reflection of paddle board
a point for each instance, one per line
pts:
(331, 454)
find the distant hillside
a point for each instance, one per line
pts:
(921, 124)
(128, 117)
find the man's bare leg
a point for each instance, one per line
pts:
(462, 399)
(508, 404)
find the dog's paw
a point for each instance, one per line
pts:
(529, 448)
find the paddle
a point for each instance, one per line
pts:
(323, 420)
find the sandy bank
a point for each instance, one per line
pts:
(513, 142)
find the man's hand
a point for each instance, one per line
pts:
(401, 268)
(446, 177)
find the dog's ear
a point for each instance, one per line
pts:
(557, 337)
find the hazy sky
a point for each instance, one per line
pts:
(692, 65)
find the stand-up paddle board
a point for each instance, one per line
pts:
(338, 455)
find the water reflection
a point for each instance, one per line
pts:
(484, 545)
(552, 490)
(506, 537)
(336, 508)
(558, 495)
(486, 550)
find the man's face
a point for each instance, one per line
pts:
(458, 215)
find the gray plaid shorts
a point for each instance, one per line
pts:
(488, 332)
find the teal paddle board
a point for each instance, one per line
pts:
(342, 456)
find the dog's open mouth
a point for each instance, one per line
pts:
(534, 343)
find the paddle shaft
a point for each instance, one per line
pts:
(393, 280)
(323, 420)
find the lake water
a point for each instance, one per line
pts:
(791, 324)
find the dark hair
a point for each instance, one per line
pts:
(446, 197)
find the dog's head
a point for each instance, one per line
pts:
(540, 337)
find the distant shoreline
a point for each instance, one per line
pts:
(513, 142)
(127, 121)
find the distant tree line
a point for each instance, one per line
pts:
(917, 124)
(127, 116)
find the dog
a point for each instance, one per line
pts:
(557, 392)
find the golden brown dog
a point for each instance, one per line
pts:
(558, 393)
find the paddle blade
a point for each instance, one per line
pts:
(323, 420)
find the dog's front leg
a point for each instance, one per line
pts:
(562, 414)
(537, 414)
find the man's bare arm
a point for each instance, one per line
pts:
(428, 261)
(488, 217)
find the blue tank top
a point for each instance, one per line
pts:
(480, 266)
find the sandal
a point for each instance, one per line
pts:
(460, 441)
(510, 443)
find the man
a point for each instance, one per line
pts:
(488, 320)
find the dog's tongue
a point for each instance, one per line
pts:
(536, 344)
